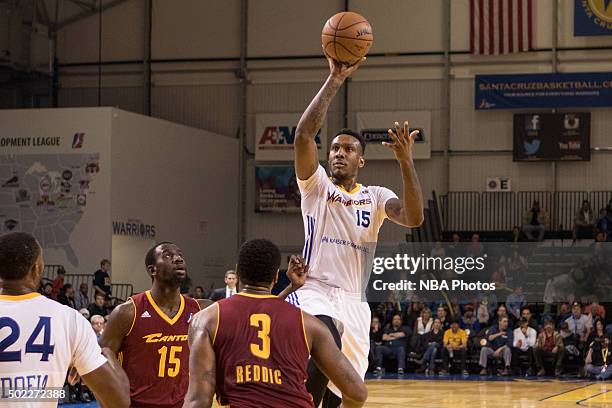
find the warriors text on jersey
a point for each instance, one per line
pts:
(155, 353)
(40, 340)
(261, 353)
(341, 229)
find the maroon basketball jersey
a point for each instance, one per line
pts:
(261, 353)
(155, 353)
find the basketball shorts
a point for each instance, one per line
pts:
(351, 315)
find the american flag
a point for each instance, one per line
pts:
(501, 26)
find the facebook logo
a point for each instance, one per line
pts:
(532, 122)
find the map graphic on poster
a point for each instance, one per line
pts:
(46, 195)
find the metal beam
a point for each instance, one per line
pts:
(84, 5)
(81, 16)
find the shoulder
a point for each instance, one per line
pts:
(124, 312)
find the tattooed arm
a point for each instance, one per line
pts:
(306, 157)
(202, 362)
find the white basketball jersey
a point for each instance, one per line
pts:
(40, 340)
(341, 230)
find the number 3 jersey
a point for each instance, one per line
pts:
(341, 230)
(261, 353)
(155, 353)
(40, 340)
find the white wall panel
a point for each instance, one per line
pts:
(196, 29)
(288, 28)
(586, 176)
(122, 35)
(404, 25)
(215, 107)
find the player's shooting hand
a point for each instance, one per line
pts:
(297, 271)
(339, 70)
(402, 141)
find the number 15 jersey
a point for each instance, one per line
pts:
(341, 229)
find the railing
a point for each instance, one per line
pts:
(493, 211)
(121, 291)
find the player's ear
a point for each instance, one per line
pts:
(361, 162)
(151, 270)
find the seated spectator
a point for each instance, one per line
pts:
(564, 312)
(584, 222)
(97, 324)
(469, 321)
(433, 341)
(549, 345)
(424, 322)
(453, 248)
(599, 360)
(500, 276)
(58, 282)
(198, 293)
(483, 312)
(413, 312)
(605, 224)
(475, 249)
(437, 250)
(376, 333)
(498, 345)
(570, 340)
(580, 325)
(102, 279)
(394, 345)
(523, 342)
(534, 222)
(595, 310)
(85, 313)
(66, 296)
(47, 290)
(81, 299)
(502, 311)
(443, 316)
(455, 342)
(517, 267)
(516, 234)
(515, 302)
(532, 322)
(99, 306)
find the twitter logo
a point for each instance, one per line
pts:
(531, 148)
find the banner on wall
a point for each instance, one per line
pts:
(277, 189)
(552, 136)
(374, 125)
(543, 90)
(275, 134)
(592, 17)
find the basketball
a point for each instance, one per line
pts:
(347, 37)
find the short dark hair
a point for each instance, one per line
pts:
(150, 256)
(99, 294)
(104, 262)
(523, 321)
(356, 135)
(258, 261)
(18, 252)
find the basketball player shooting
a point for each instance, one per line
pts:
(341, 222)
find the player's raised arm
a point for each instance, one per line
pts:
(118, 326)
(334, 364)
(306, 160)
(297, 271)
(408, 211)
(202, 362)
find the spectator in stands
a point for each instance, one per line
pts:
(230, 289)
(595, 310)
(516, 234)
(443, 316)
(475, 249)
(424, 322)
(580, 325)
(81, 299)
(482, 314)
(453, 248)
(534, 222)
(523, 341)
(549, 345)
(97, 324)
(102, 280)
(469, 322)
(198, 293)
(599, 359)
(98, 307)
(413, 312)
(570, 340)
(376, 333)
(532, 322)
(564, 312)
(499, 343)
(437, 250)
(454, 344)
(605, 224)
(66, 296)
(584, 222)
(85, 313)
(47, 290)
(517, 267)
(515, 302)
(502, 312)
(433, 341)
(394, 345)
(58, 282)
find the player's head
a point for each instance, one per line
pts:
(165, 264)
(258, 263)
(346, 154)
(21, 260)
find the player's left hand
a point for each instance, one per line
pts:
(297, 272)
(402, 141)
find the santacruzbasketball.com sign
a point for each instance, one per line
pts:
(275, 136)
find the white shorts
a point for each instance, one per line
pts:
(351, 315)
